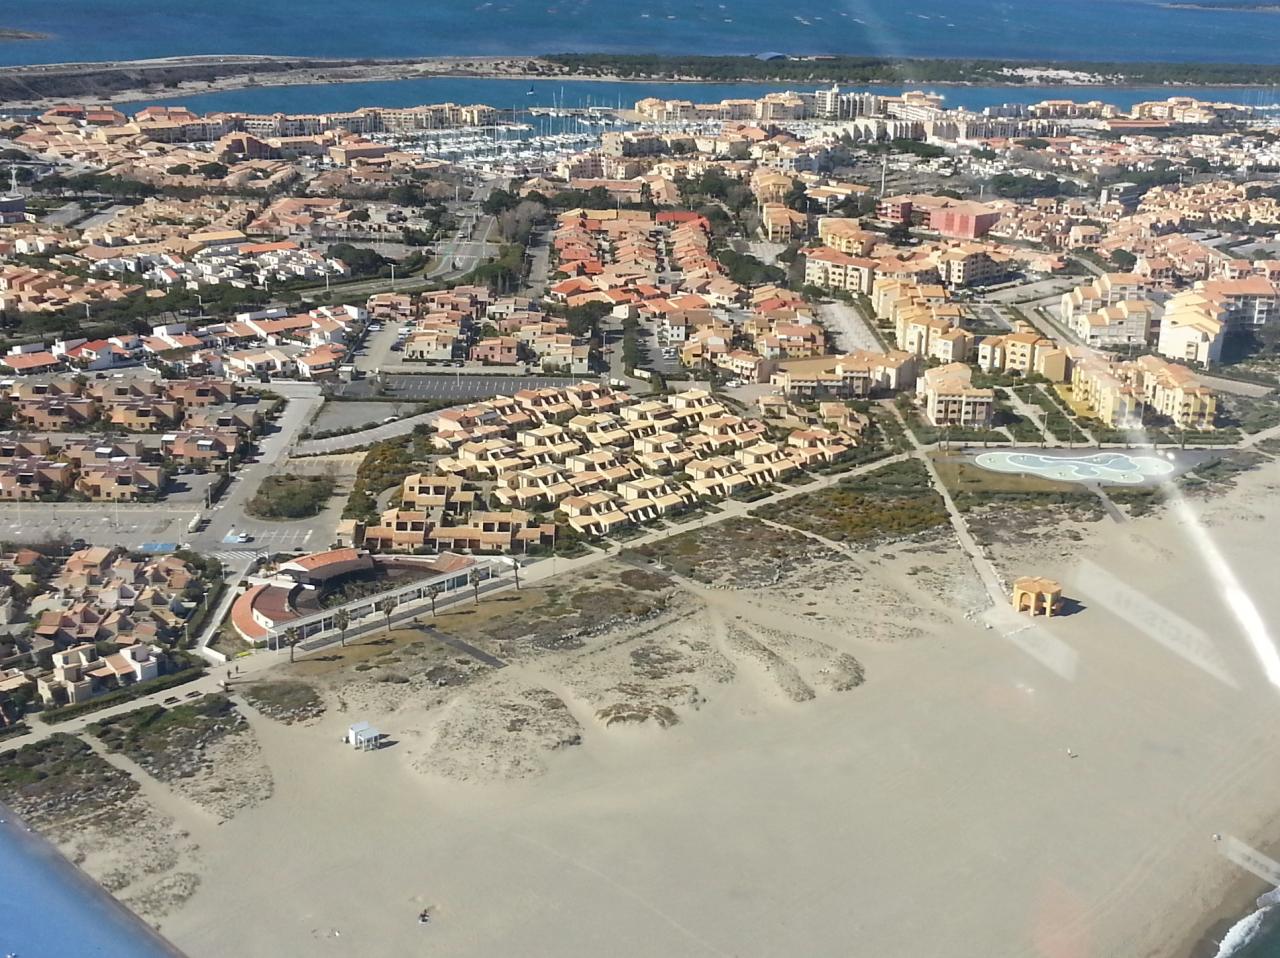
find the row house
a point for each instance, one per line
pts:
(79, 673)
(207, 445)
(30, 478)
(126, 479)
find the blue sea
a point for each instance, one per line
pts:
(1038, 29)
(51, 909)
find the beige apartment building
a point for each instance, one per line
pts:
(1106, 290)
(1127, 395)
(1193, 329)
(1175, 393)
(1126, 323)
(832, 269)
(780, 223)
(949, 397)
(847, 235)
(850, 376)
(1025, 352)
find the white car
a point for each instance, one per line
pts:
(244, 537)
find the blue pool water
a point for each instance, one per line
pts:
(1113, 467)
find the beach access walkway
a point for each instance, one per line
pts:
(981, 564)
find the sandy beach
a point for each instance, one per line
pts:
(791, 801)
(850, 750)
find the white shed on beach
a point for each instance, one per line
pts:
(363, 736)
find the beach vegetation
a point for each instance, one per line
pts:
(895, 500)
(290, 496)
(285, 700)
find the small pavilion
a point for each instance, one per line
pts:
(363, 737)
(1036, 595)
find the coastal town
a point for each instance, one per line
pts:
(520, 447)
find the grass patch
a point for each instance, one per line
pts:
(164, 741)
(892, 501)
(1020, 427)
(290, 497)
(1221, 472)
(54, 779)
(285, 700)
(742, 553)
(1138, 501)
(1250, 413)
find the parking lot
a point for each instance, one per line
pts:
(988, 316)
(656, 360)
(461, 386)
(849, 330)
(130, 524)
(359, 415)
(1037, 289)
(375, 351)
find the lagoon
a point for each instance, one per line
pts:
(504, 94)
(1120, 30)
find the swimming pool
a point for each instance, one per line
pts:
(1116, 467)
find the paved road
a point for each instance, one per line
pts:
(539, 264)
(1088, 264)
(362, 289)
(1038, 290)
(981, 564)
(469, 246)
(63, 215)
(1234, 386)
(465, 647)
(391, 430)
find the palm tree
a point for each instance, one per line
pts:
(386, 606)
(434, 592)
(515, 571)
(291, 637)
(475, 584)
(342, 621)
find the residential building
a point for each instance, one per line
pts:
(949, 397)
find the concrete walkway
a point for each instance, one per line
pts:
(981, 564)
